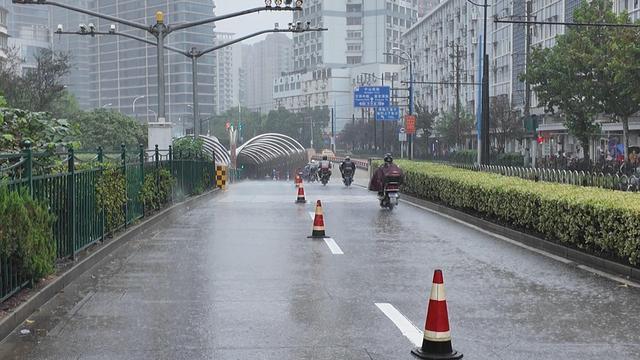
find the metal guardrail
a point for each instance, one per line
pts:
(570, 177)
(71, 193)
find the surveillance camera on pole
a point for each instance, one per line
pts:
(308, 25)
(92, 28)
(267, 3)
(60, 29)
(112, 29)
(83, 28)
(298, 25)
(290, 26)
(276, 26)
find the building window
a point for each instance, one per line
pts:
(354, 21)
(355, 7)
(354, 59)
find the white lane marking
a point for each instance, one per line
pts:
(333, 246)
(487, 232)
(406, 327)
(312, 214)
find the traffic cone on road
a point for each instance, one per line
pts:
(318, 223)
(436, 344)
(301, 199)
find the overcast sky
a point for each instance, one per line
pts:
(247, 24)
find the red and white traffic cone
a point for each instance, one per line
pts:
(436, 344)
(318, 223)
(301, 199)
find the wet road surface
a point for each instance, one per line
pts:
(237, 278)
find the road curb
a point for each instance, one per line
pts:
(42, 296)
(608, 266)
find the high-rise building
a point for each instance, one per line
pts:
(78, 80)
(228, 73)
(123, 69)
(459, 22)
(263, 62)
(327, 65)
(28, 29)
(4, 33)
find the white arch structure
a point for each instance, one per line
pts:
(270, 148)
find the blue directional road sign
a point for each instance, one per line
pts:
(371, 96)
(391, 113)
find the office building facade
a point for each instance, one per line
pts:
(327, 64)
(262, 63)
(123, 69)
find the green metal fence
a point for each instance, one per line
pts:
(70, 193)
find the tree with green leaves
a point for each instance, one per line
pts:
(505, 122)
(620, 78)
(453, 130)
(44, 132)
(190, 148)
(425, 121)
(590, 71)
(36, 89)
(108, 129)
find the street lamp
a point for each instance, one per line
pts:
(106, 105)
(155, 114)
(194, 54)
(134, 104)
(408, 58)
(159, 30)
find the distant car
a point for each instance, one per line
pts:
(328, 153)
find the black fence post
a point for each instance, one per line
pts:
(171, 172)
(123, 161)
(71, 184)
(102, 212)
(28, 156)
(157, 160)
(141, 155)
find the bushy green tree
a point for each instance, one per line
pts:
(453, 130)
(108, 129)
(190, 148)
(36, 89)
(591, 70)
(425, 122)
(43, 131)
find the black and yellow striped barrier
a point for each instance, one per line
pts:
(221, 177)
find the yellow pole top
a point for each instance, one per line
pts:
(160, 17)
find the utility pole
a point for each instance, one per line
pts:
(527, 87)
(458, 54)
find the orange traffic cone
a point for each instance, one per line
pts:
(318, 223)
(436, 344)
(301, 199)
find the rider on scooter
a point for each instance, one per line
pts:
(346, 165)
(383, 172)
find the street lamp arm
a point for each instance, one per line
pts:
(234, 41)
(150, 42)
(231, 15)
(84, 11)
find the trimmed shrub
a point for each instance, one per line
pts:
(112, 196)
(26, 233)
(156, 191)
(600, 221)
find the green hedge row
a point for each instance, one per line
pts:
(600, 221)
